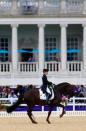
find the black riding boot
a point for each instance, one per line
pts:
(47, 98)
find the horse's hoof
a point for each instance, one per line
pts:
(64, 112)
(60, 116)
(34, 122)
(48, 121)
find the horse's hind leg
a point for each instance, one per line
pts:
(29, 112)
(63, 111)
(50, 109)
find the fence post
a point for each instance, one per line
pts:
(42, 108)
(73, 103)
(11, 100)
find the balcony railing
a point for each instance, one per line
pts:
(74, 66)
(74, 6)
(5, 66)
(28, 10)
(27, 7)
(28, 66)
(5, 7)
(53, 66)
(42, 7)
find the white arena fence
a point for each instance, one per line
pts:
(73, 103)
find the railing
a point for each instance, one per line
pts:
(18, 7)
(74, 6)
(42, 7)
(74, 66)
(51, 7)
(27, 7)
(28, 66)
(5, 67)
(5, 6)
(29, 10)
(53, 66)
(63, 6)
(78, 109)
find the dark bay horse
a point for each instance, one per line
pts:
(32, 98)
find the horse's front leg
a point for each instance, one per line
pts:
(49, 113)
(63, 111)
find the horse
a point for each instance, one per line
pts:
(32, 98)
(22, 89)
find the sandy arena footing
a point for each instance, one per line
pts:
(57, 124)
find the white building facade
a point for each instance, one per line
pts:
(31, 25)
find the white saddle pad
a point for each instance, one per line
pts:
(43, 95)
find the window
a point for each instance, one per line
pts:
(73, 43)
(50, 44)
(3, 46)
(5, 4)
(28, 3)
(52, 3)
(74, 3)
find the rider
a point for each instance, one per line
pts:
(45, 85)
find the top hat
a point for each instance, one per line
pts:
(45, 70)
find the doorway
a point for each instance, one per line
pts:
(25, 55)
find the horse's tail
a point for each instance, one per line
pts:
(15, 105)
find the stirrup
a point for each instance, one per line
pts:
(48, 102)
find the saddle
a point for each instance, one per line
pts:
(43, 95)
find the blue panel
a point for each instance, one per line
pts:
(21, 108)
(69, 108)
(46, 108)
(80, 108)
(37, 108)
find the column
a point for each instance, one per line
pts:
(84, 47)
(63, 47)
(41, 47)
(14, 47)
